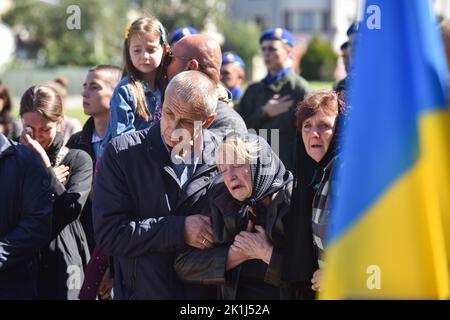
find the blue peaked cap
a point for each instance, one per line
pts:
(277, 34)
(181, 32)
(231, 57)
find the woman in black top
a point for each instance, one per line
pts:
(320, 118)
(63, 260)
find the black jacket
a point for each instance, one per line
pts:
(209, 266)
(83, 140)
(64, 259)
(139, 214)
(25, 218)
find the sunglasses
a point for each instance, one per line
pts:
(171, 56)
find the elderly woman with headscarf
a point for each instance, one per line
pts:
(319, 118)
(247, 213)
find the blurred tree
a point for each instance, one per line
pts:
(241, 37)
(176, 13)
(319, 61)
(43, 35)
(42, 30)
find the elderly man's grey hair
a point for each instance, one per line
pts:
(197, 90)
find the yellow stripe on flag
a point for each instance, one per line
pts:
(435, 139)
(400, 248)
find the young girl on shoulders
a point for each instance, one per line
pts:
(137, 100)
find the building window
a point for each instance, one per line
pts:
(306, 21)
(325, 25)
(288, 20)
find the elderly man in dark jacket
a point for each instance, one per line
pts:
(25, 218)
(150, 191)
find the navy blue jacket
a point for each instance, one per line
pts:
(139, 214)
(25, 218)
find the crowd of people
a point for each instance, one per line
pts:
(166, 193)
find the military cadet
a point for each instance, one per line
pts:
(232, 74)
(181, 32)
(346, 51)
(340, 85)
(270, 103)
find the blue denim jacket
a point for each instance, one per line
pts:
(123, 110)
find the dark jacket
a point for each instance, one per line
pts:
(139, 214)
(25, 218)
(301, 261)
(209, 266)
(227, 121)
(83, 140)
(257, 95)
(63, 260)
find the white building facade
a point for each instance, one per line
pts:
(329, 19)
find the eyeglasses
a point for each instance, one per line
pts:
(171, 56)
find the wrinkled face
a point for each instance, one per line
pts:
(146, 53)
(317, 132)
(236, 174)
(231, 75)
(178, 120)
(275, 54)
(96, 93)
(44, 131)
(179, 60)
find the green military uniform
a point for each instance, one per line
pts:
(257, 95)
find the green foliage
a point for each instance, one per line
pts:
(242, 38)
(98, 40)
(321, 85)
(46, 39)
(319, 61)
(76, 113)
(176, 13)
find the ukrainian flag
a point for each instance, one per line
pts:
(390, 233)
